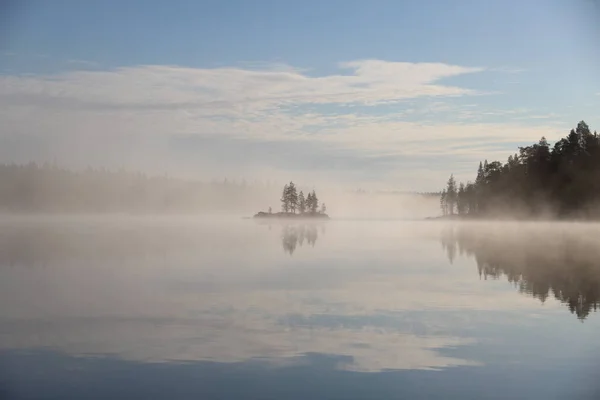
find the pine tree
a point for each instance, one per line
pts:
(301, 203)
(292, 197)
(480, 177)
(315, 203)
(461, 200)
(471, 195)
(443, 204)
(323, 208)
(285, 202)
(451, 194)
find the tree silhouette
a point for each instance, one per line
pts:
(49, 188)
(314, 202)
(285, 199)
(461, 200)
(443, 204)
(451, 195)
(540, 180)
(301, 203)
(292, 197)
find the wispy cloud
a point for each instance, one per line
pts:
(269, 104)
(369, 81)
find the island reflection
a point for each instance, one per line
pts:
(541, 260)
(293, 236)
(150, 292)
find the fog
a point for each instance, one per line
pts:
(50, 189)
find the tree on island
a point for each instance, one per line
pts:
(312, 202)
(301, 203)
(285, 200)
(292, 197)
(289, 198)
(292, 201)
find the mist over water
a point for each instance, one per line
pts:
(48, 189)
(283, 200)
(102, 307)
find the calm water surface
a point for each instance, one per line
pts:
(172, 308)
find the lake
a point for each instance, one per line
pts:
(178, 308)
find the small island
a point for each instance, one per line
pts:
(292, 201)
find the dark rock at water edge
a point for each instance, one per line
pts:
(453, 217)
(262, 214)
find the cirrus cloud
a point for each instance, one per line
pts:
(134, 113)
(369, 81)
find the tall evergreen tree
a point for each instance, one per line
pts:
(461, 199)
(480, 178)
(443, 204)
(301, 203)
(285, 199)
(451, 194)
(471, 195)
(292, 196)
(314, 203)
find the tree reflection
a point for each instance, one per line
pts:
(563, 262)
(295, 235)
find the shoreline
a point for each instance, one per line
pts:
(282, 215)
(489, 218)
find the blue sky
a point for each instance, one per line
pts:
(381, 93)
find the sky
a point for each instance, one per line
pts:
(370, 94)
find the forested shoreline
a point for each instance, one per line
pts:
(540, 181)
(47, 188)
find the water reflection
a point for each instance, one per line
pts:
(295, 235)
(53, 375)
(217, 310)
(542, 260)
(206, 292)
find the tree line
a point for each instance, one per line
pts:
(539, 180)
(49, 188)
(292, 201)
